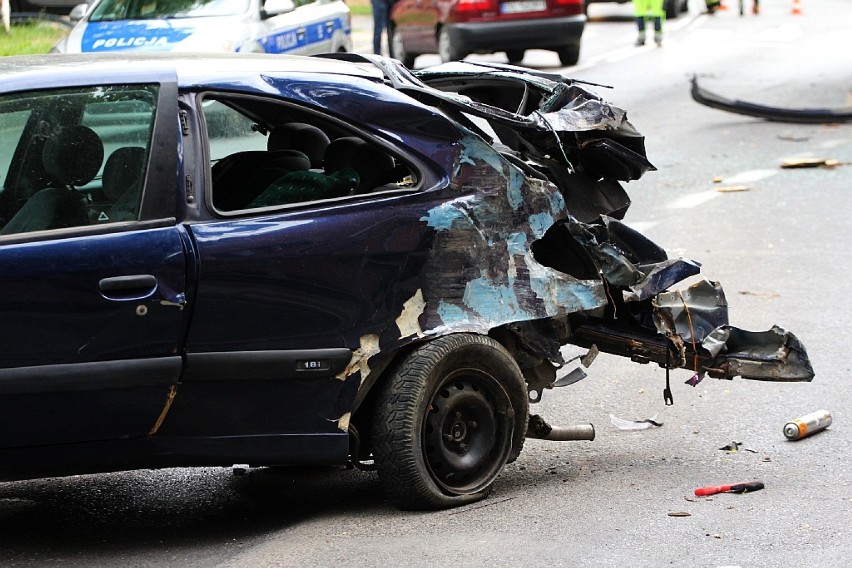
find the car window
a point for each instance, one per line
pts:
(74, 157)
(280, 157)
(11, 126)
(108, 10)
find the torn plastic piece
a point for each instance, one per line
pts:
(734, 488)
(623, 424)
(732, 447)
(571, 378)
(804, 116)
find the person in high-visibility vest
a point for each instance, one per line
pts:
(649, 10)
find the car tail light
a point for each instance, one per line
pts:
(569, 2)
(477, 5)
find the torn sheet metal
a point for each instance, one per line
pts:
(772, 355)
(693, 313)
(483, 273)
(796, 115)
(698, 316)
(527, 244)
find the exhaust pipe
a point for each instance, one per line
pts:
(538, 429)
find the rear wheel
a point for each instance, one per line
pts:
(515, 56)
(447, 420)
(447, 49)
(397, 49)
(568, 54)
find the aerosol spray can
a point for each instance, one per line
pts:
(807, 425)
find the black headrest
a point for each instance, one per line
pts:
(122, 170)
(73, 156)
(372, 164)
(299, 136)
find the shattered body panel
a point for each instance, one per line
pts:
(510, 257)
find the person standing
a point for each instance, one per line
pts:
(645, 10)
(381, 13)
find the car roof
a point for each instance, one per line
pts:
(57, 70)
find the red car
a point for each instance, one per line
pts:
(456, 28)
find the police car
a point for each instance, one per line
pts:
(301, 27)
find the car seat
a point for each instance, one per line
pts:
(71, 158)
(124, 173)
(373, 166)
(300, 136)
(351, 165)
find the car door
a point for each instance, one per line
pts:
(314, 26)
(284, 300)
(91, 306)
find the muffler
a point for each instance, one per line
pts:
(538, 429)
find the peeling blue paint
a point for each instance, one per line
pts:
(452, 314)
(476, 149)
(540, 223)
(443, 217)
(494, 302)
(514, 191)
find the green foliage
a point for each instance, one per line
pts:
(29, 38)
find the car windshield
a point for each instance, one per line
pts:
(109, 10)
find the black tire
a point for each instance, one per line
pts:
(515, 56)
(397, 49)
(568, 54)
(450, 416)
(447, 49)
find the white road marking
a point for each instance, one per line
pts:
(750, 176)
(693, 200)
(642, 226)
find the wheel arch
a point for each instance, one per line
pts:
(381, 370)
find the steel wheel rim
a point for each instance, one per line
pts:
(466, 432)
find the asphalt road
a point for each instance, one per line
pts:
(781, 249)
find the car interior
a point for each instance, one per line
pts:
(269, 155)
(55, 172)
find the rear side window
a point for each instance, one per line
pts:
(11, 127)
(264, 155)
(74, 157)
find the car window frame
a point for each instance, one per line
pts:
(310, 115)
(157, 206)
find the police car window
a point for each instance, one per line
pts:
(79, 158)
(110, 10)
(291, 158)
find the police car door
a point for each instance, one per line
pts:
(306, 30)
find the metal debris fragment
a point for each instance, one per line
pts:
(804, 116)
(798, 163)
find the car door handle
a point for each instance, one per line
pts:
(128, 287)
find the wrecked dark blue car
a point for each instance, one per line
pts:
(283, 260)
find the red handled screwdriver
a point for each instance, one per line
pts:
(735, 488)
